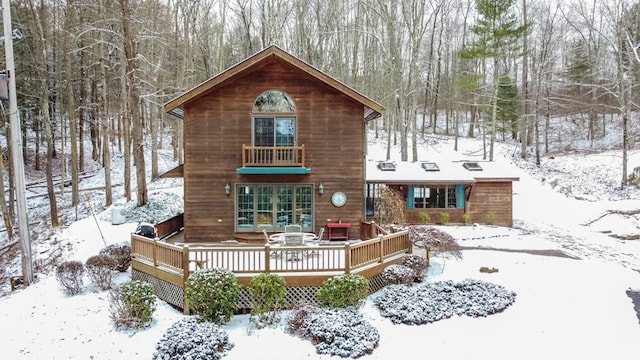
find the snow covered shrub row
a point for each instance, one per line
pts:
(334, 331)
(121, 253)
(344, 290)
(132, 304)
(212, 294)
(268, 292)
(193, 340)
(440, 300)
(69, 275)
(100, 270)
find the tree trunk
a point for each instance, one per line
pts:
(134, 97)
(73, 141)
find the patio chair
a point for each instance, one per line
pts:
(315, 242)
(293, 239)
(268, 240)
(293, 228)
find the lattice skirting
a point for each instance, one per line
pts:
(166, 291)
(174, 295)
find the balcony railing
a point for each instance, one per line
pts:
(276, 156)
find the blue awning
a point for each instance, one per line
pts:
(273, 170)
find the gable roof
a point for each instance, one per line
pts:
(175, 106)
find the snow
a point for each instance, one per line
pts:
(573, 306)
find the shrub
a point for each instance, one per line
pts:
(212, 294)
(343, 291)
(132, 304)
(398, 274)
(444, 218)
(268, 293)
(466, 218)
(191, 339)
(342, 332)
(100, 270)
(417, 263)
(69, 275)
(424, 217)
(491, 217)
(121, 253)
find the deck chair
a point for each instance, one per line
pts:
(268, 240)
(293, 228)
(315, 243)
(293, 239)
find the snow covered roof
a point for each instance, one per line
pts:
(434, 172)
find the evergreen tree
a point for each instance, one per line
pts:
(498, 38)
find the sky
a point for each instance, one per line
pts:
(566, 307)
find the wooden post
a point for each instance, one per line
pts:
(267, 258)
(380, 239)
(155, 253)
(185, 277)
(347, 258)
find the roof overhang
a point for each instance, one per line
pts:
(175, 107)
(176, 172)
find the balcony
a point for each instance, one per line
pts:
(273, 160)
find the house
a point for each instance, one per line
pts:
(480, 189)
(269, 142)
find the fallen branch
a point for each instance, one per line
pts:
(614, 212)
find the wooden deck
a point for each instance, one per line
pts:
(172, 263)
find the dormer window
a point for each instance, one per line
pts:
(430, 166)
(472, 166)
(387, 166)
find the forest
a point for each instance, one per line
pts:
(92, 75)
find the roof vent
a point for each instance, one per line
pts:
(472, 166)
(387, 166)
(430, 166)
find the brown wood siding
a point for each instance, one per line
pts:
(329, 124)
(493, 197)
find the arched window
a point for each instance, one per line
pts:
(274, 119)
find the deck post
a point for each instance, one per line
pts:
(155, 253)
(347, 259)
(381, 240)
(267, 257)
(185, 277)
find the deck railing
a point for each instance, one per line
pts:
(246, 259)
(265, 156)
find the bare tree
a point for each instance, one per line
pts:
(130, 54)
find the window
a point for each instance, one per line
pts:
(434, 197)
(387, 166)
(430, 166)
(472, 166)
(274, 121)
(273, 206)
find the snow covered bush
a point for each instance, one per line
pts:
(212, 294)
(191, 339)
(344, 290)
(334, 331)
(398, 274)
(132, 304)
(417, 263)
(440, 300)
(101, 270)
(268, 292)
(122, 255)
(70, 276)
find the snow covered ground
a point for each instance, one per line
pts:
(566, 307)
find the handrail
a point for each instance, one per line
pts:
(268, 156)
(347, 258)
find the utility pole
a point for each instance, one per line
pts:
(16, 149)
